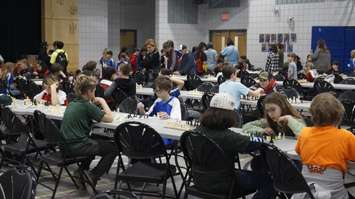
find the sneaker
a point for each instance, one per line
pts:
(79, 180)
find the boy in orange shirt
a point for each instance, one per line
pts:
(324, 148)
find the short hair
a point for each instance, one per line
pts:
(280, 46)
(209, 45)
(125, 69)
(58, 44)
(83, 84)
(165, 71)
(150, 42)
(49, 80)
(163, 83)
(273, 48)
(336, 63)
(183, 47)
(90, 65)
(108, 72)
(326, 110)
(109, 52)
(228, 70)
(230, 42)
(168, 44)
(309, 65)
(216, 118)
(353, 53)
(293, 55)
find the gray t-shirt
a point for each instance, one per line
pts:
(292, 71)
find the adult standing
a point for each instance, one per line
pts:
(321, 57)
(211, 55)
(272, 61)
(152, 60)
(59, 55)
(200, 58)
(230, 53)
(280, 52)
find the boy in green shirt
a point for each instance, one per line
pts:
(76, 127)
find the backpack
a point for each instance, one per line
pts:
(62, 60)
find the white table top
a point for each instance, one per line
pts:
(336, 86)
(163, 127)
(305, 105)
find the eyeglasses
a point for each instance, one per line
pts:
(157, 91)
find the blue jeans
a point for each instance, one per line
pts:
(250, 180)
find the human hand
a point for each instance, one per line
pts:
(283, 120)
(268, 131)
(98, 100)
(163, 115)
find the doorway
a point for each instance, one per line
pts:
(128, 39)
(219, 39)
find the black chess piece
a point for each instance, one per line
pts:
(129, 116)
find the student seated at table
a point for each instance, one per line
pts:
(280, 116)
(51, 94)
(108, 76)
(234, 88)
(310, 72)
(57, 71)
(165, 106)
(178, 84)
(6, 78)
(76, 127)
(215, 124)
(325, 148)
(292, 66)
(124, 84)
(267, 83)
(95, 74)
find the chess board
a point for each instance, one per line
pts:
(178, 125)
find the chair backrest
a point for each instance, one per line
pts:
(290, 92)
(348, 81)
(184, 111)
(221, 79)
(285, 174)
(139, 77)
(279, 77)
(205, 87)
(139, 141)
(248, 81)
(13, 124)
(206, 99)
(321, 86)
(205, 157)
(48, 129)
(347, 98)
(16, 184)
(129, 105)
(292, 84)
(193, 81)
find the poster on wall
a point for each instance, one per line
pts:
(280, 38)
(293, 37)
(273, 38)
(267, 38)
(261, 38)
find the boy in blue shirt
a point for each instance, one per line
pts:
(165, 106)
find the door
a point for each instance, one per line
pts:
(219, 39)
(128, 39)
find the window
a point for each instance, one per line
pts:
(182, 12)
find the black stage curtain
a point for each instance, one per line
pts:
(20, 30)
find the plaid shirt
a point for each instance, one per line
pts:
(272, 62)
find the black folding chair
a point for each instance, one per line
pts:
(17, 184)
(192, 82)
(322, 86)
(60, 157)
(347, 98)
(143, 144)
(128, 105)
(286, 177)
(220, 79)
(206, 99)
(17, 151)
(205, 87)
(290, 93)
(248, 81)
(139, 77)
(293, 84)
(205, 159)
